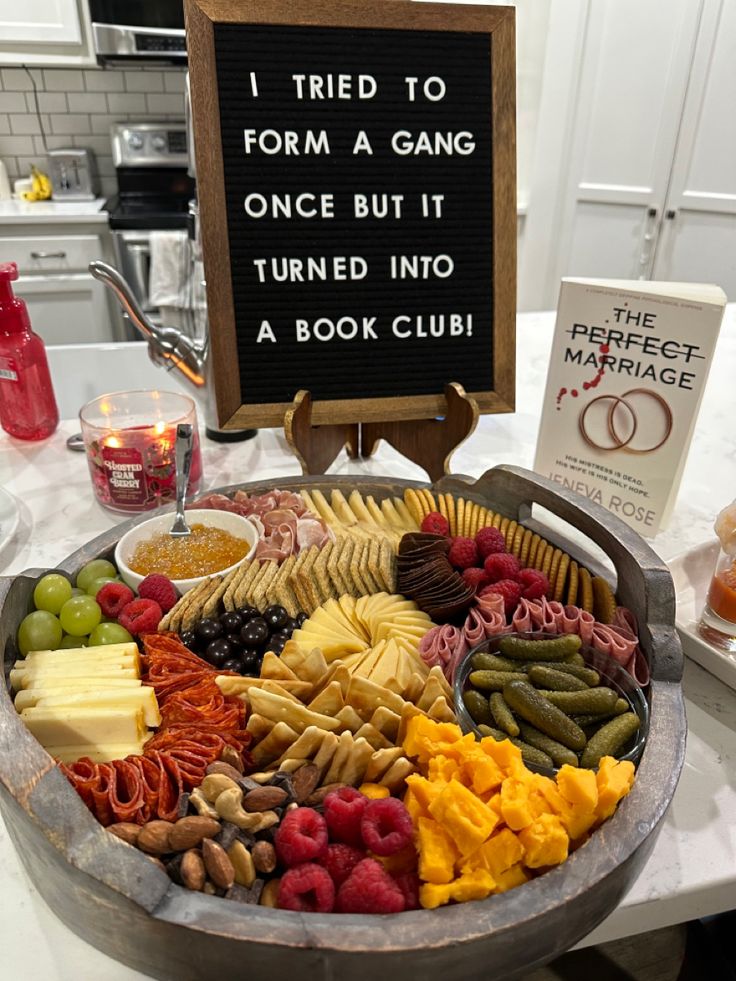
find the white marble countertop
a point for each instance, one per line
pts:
(16, 212)
(692, 870)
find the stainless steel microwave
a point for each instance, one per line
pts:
(145, 31)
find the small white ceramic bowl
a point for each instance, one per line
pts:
(234, 523)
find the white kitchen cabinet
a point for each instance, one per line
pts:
(46, 32)
(634, 178)
(65, 303)
(67, 309)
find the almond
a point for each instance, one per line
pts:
(264, 799)
(230, 755)
(304, 781)
(192, 870)
(154, 837)
(126, 831)
(188, 832)
(219, 867)
(318, 796)
(264, 856)
(225, 768)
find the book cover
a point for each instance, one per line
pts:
(627, 371)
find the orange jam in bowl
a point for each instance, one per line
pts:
(206, 551)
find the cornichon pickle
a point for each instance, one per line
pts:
(543, 676)
(577, 660)
(477, 706)
(556, 751)
(527, 702)
(610, 739)
(491, 662)
(540, 650)
(588, 675)
(494, 680)
(591, 720)
(594, 701)
(502, 714)
(621, 706)
(529, 754)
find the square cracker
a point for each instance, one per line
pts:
(173, 618)
(212, 605)
(284, 569)
(242, 591)
(194, 610)
(333, 567)
(261, 590)
(319, 571)
(344, 562)
(307, 580)
(228, 598)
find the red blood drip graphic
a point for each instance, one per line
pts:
(593, 383)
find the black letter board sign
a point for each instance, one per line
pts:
(357, 186)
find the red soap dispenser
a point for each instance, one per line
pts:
(27, 403)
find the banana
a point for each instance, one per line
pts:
(41, 190)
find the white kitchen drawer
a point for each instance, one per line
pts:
(69, 309)
(49, 254)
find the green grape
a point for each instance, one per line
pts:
(52, 592)
(80, 615)
(68, 641)
(109, 633)
(39, 631)
(96, 585)
(96, 569)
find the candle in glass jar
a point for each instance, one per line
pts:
(131, 461)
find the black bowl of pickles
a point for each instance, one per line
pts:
(557, 699)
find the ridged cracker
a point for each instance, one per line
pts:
(585, 581)
(510, 532)
(572, 586)
(526, 542)
(558, 587)
(451, 513)
(414, 505)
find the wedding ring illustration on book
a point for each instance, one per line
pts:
(638, 421)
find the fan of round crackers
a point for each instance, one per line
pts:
(570, 583)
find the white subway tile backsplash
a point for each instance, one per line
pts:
(71, 123)
(24, 124)
(167, 104)
(126, 103)
(48, 102)
(144, 81)
(104, 80)
(174, 81)
(63, 80)
(17, 80)
(16, 145)
(78, 109)
(87, 102)
(12, 102)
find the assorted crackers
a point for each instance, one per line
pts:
(362, 559)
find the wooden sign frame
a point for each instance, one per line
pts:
(497, 22)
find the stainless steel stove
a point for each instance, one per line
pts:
(154, 194)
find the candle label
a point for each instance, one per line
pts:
(126, 478)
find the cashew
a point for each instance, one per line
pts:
(214, 784)
(228, 806)
(201, 804)
(263, 777)
(245, 870)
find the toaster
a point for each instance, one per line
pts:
(73, 174)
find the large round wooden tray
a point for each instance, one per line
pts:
(113, 897)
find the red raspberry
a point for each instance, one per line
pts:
(340, 861)
(509, 589)
(476, 578)
(490, 540)
(142, 616)
(463, 553)
(161, 589)
(436, 524)
(301, 836)
(408, 883)
(534, 584)
(369, 889)
(386, 826)
(307, 888)
(113, 597)
(501, 565)
(343, 810)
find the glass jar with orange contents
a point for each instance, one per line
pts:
(718, 621)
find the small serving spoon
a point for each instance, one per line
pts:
(183, 456)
